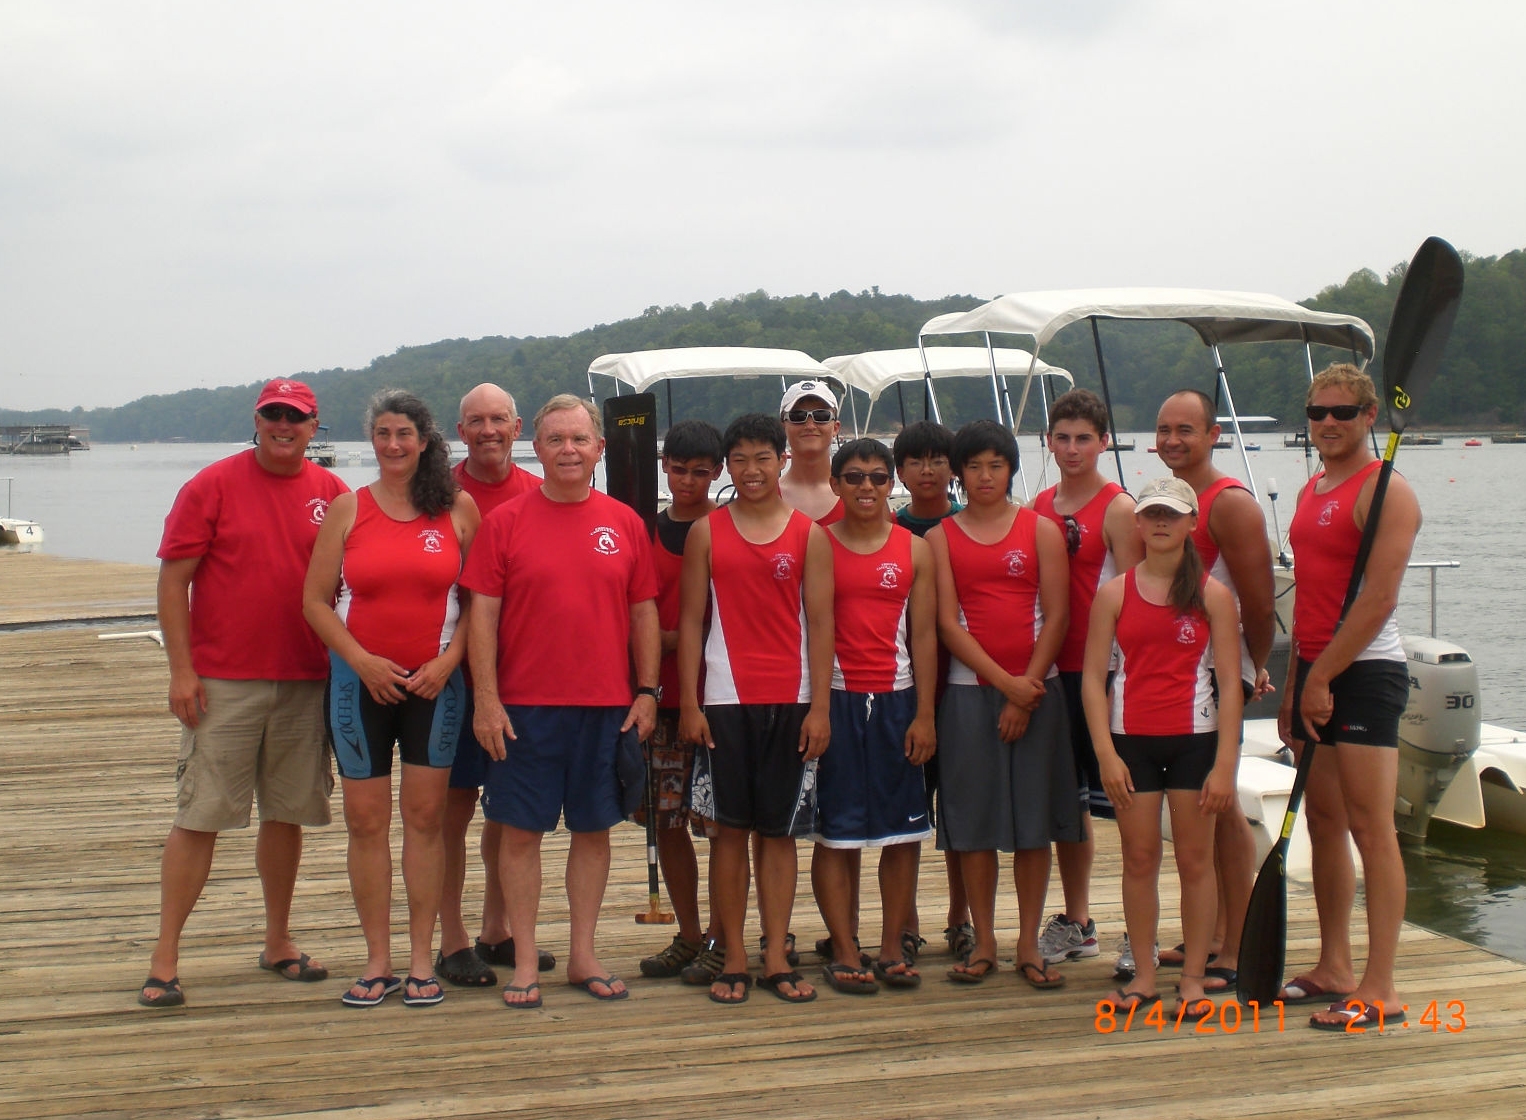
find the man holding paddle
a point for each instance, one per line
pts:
(1347, 688)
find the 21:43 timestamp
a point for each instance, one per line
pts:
(1207, 1016)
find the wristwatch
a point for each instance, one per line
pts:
(648, 690)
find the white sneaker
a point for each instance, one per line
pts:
(1123, 968)
(1065, 940)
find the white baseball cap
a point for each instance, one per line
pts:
(802, 389)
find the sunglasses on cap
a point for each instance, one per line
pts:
(277, 412)
(1318, 412)
(856, 478)
(1072, 535)
(801, 415)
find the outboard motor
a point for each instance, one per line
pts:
(1439, 729)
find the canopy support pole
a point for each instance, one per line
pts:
(1234, 417)
(1107, 400)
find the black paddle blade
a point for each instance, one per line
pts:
(630, 453)
(1421, 323)
(1263, 945)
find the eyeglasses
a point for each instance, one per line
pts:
(278, 412)
(856, 478)
(932, 463)
(675, 471)
(1317, 412)
(1072, 535)
(801, 415)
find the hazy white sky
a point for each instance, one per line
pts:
(201, 193)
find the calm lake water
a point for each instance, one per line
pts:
(109, 503)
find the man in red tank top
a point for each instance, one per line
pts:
(1347, 686)
(1231, 525)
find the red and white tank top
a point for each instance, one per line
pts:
(1325, 541)
(755, 652)
(1162, 685)
(998, 589)
(1213, 562)
(1091, 565)
(397, 589)
(869, 597)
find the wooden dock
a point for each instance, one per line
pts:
(87, 748)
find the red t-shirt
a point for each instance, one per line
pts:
(1162, 685)
(756, 649)
(254, 533)
(397, 589)
(998, 590)
(869, 597)
(1091, 565)
(567, 574)
(489, 496)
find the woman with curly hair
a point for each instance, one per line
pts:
(382, 593)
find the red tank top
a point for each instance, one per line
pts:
(998, 590)
(1091, 565)
(1207, 548)
(756, 649)
(869, 597)
(1162, 685)
(669, 567)
(397, 591)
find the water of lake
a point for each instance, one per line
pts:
(109, 503)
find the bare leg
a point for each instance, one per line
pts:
(1368, 781)
(496, 927)
(519, 869)
(958, 894)
(460, 807)
(898, 897)
(183, 870)
(1030, 875)
(978, 873)
(1075, 859)
(422, 803)
(1192, 840)
(778, 868)
(587, 875)
(368, 816)
(1334, 873)
(832, 872)
(1139, 834)
(1234, 857)
(728, 901)
(680, 873)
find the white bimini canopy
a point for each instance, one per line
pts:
(641, 369)
(877, 370)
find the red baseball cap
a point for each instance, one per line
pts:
(283, 390)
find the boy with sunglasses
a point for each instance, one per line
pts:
(869, 789)
(1097, 518)
(809, 412)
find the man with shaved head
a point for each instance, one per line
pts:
(489, 425)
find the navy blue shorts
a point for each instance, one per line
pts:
(468, 770)
(363, 731)
(867, 794)
(1160, 762)
(561, 764)
(1370, 697)
(756, 778)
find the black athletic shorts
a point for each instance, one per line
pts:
(1160, 762)
(1370, 697)
(756, 778)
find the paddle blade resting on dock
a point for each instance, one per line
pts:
(1263, 945)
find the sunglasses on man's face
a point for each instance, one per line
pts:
(277, 412)
(801, 415)
(856, 478)
(1343, 412)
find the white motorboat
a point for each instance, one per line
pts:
(17, 532)
(1452, 766)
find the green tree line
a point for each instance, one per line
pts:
(1482, 380)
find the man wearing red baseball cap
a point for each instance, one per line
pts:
(247, 675)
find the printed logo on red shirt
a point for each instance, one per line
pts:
(432, 539)
(1017, 562)
(1186, 631)
(890, 576)
(1327, 515)
(784, 565)
(317, 509)
(606, 541)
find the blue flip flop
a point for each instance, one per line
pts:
(389, 985)
(607, 981)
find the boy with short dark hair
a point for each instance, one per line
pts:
(763, 572)
(691, 461)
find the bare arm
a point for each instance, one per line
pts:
(1218, 791)
(490, 723)
(816, 730)
(646, 655)
(922, 630)
(1122, 534)
(1239, 529)
(1116, 781)
(693, 599)
(187, 695)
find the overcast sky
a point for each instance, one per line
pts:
(200, 193)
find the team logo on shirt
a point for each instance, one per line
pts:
(317, 508)
(606, 541)
(432, 539)
(1186, 631)
(1017, 562)
(784, 565)
(890, 576)
(1327, 515)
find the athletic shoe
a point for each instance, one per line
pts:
(670, 962)
(1065, 940)
(1123, 969)
(706, 966)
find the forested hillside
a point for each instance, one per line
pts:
(1482, 379)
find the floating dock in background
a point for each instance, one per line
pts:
(88, 750)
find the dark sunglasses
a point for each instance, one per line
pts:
(801, 415)
(1317, 412)
(278, 412)
(856, 478)
(1072, 535)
